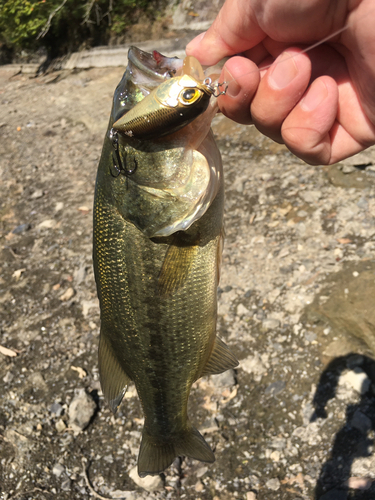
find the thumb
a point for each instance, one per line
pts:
(234, 30)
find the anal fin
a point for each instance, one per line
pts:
(113, 379)
(221, 359)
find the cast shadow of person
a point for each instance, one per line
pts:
(352, 441)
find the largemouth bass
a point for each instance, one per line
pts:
(158, 236)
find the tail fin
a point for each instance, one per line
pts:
(155, 455)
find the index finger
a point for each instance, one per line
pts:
(234, 30)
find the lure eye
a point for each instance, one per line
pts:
(189, 96)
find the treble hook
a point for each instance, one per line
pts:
(221, 92)
(215, 88)
(117, 163)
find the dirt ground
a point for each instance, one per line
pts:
(295, 421)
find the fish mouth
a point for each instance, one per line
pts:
(153, 66)
(145, 72)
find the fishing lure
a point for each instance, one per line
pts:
(175, 103)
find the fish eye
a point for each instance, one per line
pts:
(190, 95)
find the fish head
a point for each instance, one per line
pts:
(144, 73)
(170, 176)
(159, 95)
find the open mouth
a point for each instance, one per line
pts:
(145, 72)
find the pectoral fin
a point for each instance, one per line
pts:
(175, 269)
(221, 359)
(113, 379)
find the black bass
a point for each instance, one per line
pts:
(158, 236)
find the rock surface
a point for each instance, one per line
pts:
(349, 306)
(294, 305)
(81, 411)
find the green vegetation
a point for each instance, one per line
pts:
(65, 25)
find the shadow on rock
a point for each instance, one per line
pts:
(352, 444)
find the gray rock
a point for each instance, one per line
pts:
(310, 196)
(148, 483)
(242, 310)
(66, 483)
(26, 429)
(79, 274)
(225, 379)
(356, 379)
(20, 442)
(310, 336)
(307, 412)
(253, 364)
(201, 471)
(348, 169)
(309, 434)
(363, 203)
(60, 425)
(38, 193)
(81, 411)
(21, 228)
(250, 495)
(302, 213)
(37, 381)
(128, 495)
(348, 212)
(270, 324)
(58, 469)
(273, 484)
(275, 388)
(8, 377)
(56, 409)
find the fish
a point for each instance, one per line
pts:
(158, 239)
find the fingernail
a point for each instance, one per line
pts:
(193, 44)
(233, 88)
(284, 72)
(314, 96)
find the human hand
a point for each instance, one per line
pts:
(321, 103)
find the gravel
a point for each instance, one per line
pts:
(295, 421)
